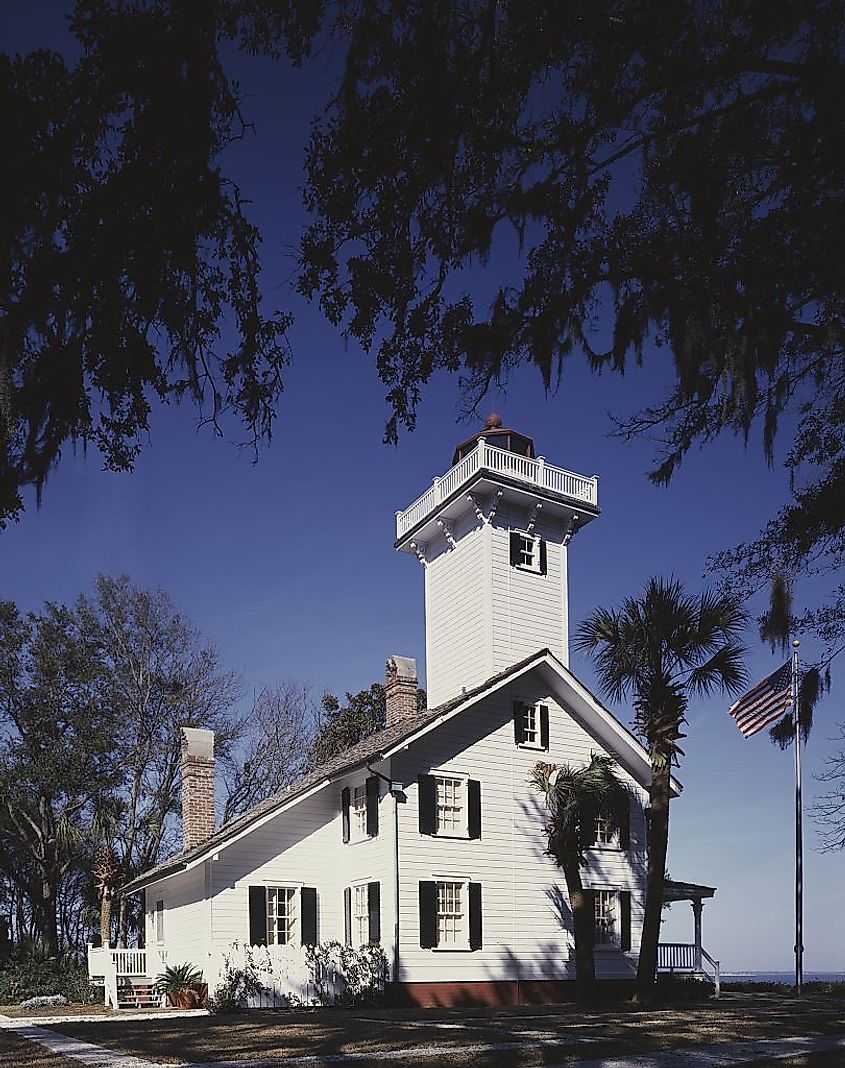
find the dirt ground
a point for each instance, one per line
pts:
(483, 1038)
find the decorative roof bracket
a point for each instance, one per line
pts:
(532, 516)
(446, 526)
(419, 552)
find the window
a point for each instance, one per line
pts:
(604, 835)
(281, 915)
(159, 920)
(362, 914)
(527, 552)
(359, 811)
(450, 914)
(607, 933)
(451, 808)
(531, 725)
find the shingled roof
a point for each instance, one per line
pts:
(369, 749)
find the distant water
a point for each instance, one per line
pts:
(782, 977)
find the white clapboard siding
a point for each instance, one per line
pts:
(482, 614)
(456, 610)
(524, 933)
(529, 610)
(186, 912)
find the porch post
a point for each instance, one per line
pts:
(696, 911)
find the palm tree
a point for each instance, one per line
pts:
(661, 650)
(575, 798)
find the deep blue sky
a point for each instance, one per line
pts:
(288, 565)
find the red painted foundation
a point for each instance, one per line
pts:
(496, 994)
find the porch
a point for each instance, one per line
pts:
(128, 975)
(684, 958)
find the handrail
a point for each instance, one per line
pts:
(498, 461)
(717, 978)
(683, 957)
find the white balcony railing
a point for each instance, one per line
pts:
(534, 473)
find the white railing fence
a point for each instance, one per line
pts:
(498, 461)
(689, 958)
(282, 973)
(108, 965)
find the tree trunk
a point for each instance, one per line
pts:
(658, 840)
(105, 919)
(583, 923)
(44, 913)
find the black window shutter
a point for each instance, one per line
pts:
(625, 920)
(516, 553)
(372, 806)
(308, 907)
(347, 915)
(544, 726)
(543, 556)
(475, 915)
(344, 808)
(374, 910)
(625, 828)
(258, 915)
(428, 915)
(518, 722)
(474, 808)
(428, 804)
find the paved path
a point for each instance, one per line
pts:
(719, 1055)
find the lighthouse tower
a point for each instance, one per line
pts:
(492, 535)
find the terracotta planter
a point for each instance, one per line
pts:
(189, 999)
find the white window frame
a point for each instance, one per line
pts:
(604, 838)
(358, 812)
(292, 917)
(533, 548)
(461, 943)
(461, 828)
(360, 913)
(158, 921)
(531, 712)
(606, 907)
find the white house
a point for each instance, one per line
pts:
(426, 837)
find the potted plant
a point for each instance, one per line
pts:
(183, 985)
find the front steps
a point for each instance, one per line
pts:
(137, 994)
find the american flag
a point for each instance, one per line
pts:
(765, 702)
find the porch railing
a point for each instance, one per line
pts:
(109, 965)
(687, 958)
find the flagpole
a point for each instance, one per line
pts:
(799, 836)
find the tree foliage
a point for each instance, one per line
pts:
(575, 798)
(340, 726)
(126, 246)
(671, 177)
(58, 756)
(661, 650)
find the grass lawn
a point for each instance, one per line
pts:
(546, 1035)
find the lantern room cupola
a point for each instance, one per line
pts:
(492, 534)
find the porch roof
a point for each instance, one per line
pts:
(678, 891)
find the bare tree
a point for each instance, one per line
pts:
(276, 735)
(828, 811)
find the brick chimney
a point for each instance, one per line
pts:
(400, 688)
(197, 786)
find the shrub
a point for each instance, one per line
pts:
(362, 969)
(46, 1001)
(39, 977)
(239, 983)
